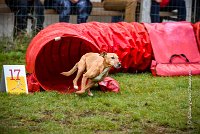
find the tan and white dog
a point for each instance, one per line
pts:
(94, 67)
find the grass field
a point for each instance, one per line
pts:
(145, 104)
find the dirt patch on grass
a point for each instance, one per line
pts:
(160, 129)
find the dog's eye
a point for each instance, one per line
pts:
(112, 57)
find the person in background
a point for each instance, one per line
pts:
(116, 19)
(196, 10)
(21, 9)
(167, 5)
(82, 8)
(129, 6)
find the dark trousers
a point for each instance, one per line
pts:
(21, 8)
(117, 19)
(173, 5)
(196, 10)
(82, 9)
(39, 14)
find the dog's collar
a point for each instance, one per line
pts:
(100, 76)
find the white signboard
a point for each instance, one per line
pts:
(13, 79)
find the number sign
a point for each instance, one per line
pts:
(13, 79)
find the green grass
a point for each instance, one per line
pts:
(145, 104)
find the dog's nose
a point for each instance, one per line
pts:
(119, 65)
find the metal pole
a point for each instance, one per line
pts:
(195, 9)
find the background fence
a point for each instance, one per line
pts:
(142, 14)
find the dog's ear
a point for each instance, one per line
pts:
(103, 54)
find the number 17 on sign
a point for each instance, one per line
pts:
(14, 79)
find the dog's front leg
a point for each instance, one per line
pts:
(88, 86)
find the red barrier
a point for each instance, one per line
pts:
(175, 49)
(59, 46)
(197, 33)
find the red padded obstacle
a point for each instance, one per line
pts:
(196, 27)
(59, 46)
(175, 49)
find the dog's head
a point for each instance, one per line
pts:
(111, 59)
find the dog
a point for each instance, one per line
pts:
(94, 67)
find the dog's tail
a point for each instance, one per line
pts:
(70, 72)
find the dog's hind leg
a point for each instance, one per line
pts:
(81, 69)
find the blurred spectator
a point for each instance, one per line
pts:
(21, 9)
(196, 10)
(167, 5)
(117, 19)
(128, 6)
(82, 8)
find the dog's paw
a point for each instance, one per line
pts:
(90, 94)
(76, 87)
(80, 92)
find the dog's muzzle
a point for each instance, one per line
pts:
(118, 65)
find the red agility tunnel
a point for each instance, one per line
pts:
(59, 46)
